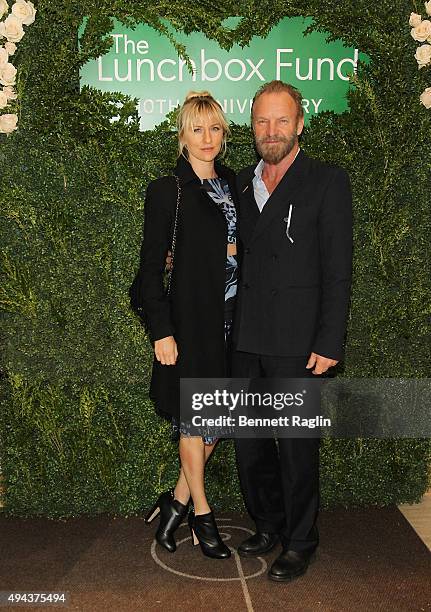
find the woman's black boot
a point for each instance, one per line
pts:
(172, 512)
(203, 529)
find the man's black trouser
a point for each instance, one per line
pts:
(279, 478)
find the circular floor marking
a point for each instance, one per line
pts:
(237, 558)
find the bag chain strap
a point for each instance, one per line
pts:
(174, 234)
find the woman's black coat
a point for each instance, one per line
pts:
(194, 311)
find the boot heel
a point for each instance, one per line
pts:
(195, 541)
(155, 510)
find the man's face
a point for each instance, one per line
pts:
(276, 126)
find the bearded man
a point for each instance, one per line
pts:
(295, 235)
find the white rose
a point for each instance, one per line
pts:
(422, 31)
(423, 55)
(8, 123)
(3, 100)
(425, 97)
(11, 28)
(7, 74)
(4, 7)
(428, 7)
(4, 56)
(24, 11)
(10, 93)
(415, 19)
(10, 47)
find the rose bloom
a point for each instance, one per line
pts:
(4, 7)
(414, 20)
(10, 93)
(428, 7)
(24, 11)
(3, 99)
(423, 55)
(7, 74)
(425, 97)
(10, 47)
(422, 31)
(11, 29)
(4, 56)
(8, 123)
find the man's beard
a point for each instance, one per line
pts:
(273, 154)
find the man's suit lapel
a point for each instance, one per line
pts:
(282, 195)
(249, 211)
(251, 207)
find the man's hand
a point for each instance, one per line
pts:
(166, 350)
(322, 363)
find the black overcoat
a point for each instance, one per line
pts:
(194, 311)
(296, 263)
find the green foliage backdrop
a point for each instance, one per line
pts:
(77, 432)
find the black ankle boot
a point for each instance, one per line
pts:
(203, 529)
(172, 512)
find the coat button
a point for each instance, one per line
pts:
(274, 292)
(246, 286)
(247, 251)
(274, 257)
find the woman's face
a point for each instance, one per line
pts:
(203, 140)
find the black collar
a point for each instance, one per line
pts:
(185, 172)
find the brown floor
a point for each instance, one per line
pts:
(369, 560)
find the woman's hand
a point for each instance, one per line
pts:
(166, 350)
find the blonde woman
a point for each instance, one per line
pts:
(190, 328)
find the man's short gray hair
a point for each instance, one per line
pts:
(278, 87)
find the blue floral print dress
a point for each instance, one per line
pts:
(218, 190)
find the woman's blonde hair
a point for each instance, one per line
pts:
(196, 105)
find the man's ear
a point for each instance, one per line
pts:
(300, 126)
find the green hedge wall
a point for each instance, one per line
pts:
(77, 432)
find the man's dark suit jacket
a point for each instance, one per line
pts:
(293, 297)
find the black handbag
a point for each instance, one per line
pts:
(135, 291)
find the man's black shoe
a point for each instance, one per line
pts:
(258, 544)
(289, 565)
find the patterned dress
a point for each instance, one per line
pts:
(219, 192)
